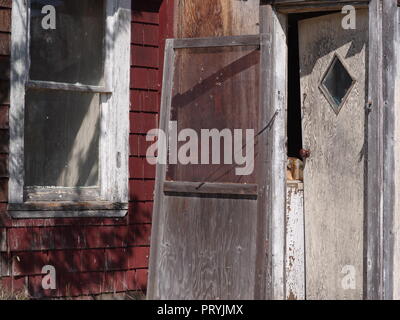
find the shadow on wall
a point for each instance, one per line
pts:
(90, 256)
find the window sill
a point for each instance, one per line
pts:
(43, 210)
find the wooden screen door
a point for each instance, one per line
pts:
(333, 93)
(209, 223)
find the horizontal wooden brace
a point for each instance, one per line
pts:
(67, 206)
(229, 41)
(207, 188)
(68, 214)
(48, 85)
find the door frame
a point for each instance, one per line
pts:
(379, 206)
(261, 192)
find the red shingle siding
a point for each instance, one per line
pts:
(91, 256)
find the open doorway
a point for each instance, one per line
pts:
(295, 150)
(327, 67)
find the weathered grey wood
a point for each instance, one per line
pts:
(19, 73)
(396, 102)
(200, 243)
(315, 7)
(276, 24)
(391, 177)
(67, 205)
(210, 18)
(299, 6)
(263, 283)
(374, 172)
(294, 253)
(334, 173)
(34, 84)
(208, 249)
(61, 194)
(211, 188)
(396, 81)
(157, 230)
(249, 40)
(304, 2)
(68, 214)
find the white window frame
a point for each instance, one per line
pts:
(111, 198)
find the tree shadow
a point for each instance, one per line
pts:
(91, 256)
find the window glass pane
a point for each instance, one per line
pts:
(337, 82)
(73, 52)
(61, 138)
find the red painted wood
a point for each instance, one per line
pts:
(143, 78)
(139, 234)
(145, 34)
(145, 56)
(138, 257)
(144, 100)
(139, 145)
(141, 190)
(4, 117)
(143, 122)
(141, 211)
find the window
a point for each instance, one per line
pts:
(69, 120)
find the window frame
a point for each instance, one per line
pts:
(110, 198)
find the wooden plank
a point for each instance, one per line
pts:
(390, 93)
(294, 253)
(145, 34)
(62, 194)
(67, 214)
(263, 286)
(374, 182)
(215, 18)
(19, 54)
(276, 23)
(71, 205)
(193, 188)
(245, 40)
(145, 57)
(396, 78)
(5, 20)
(48, 85)
(317, 6)
(157, 230)
(208, 249)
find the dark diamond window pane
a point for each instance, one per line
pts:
(337, 82)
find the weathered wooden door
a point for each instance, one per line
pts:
(333, 92)
(208, 236)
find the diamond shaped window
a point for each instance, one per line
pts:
(336, 84)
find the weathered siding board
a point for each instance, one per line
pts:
(95, 255)
(294, 255)
(209, 18)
